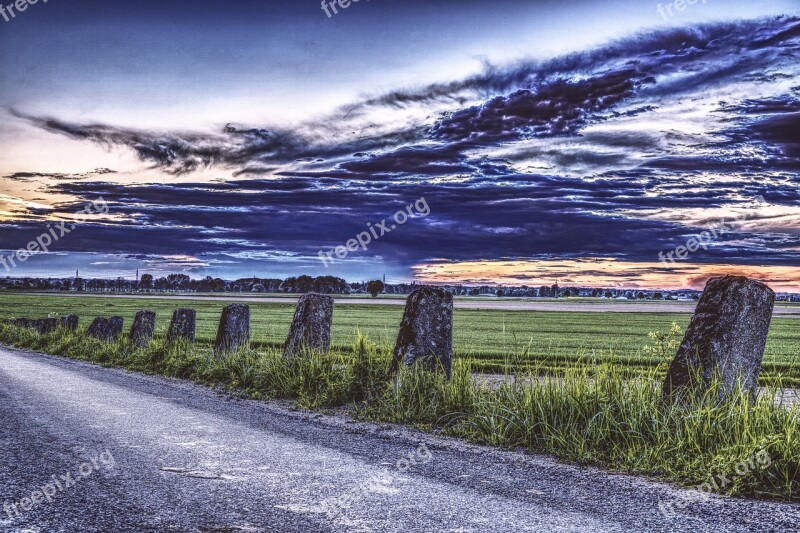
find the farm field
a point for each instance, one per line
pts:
(493, 339)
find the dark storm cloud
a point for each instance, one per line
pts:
(532, 216)
(556, 97)
(562, 107)
(719, 45)
(773, 122)
(314, 192)
(243, 149)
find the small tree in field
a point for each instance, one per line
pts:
(375, 287)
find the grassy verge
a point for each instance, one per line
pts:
(491, 339)
(592, 415)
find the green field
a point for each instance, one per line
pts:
(492, 339)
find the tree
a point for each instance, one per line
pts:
(146, 282)
(330, 285)
(178, 282)
(288, 285)
(375, 287)
(476, 292)
(304, 284)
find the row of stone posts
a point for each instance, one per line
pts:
(426, 332)
(724, 342)
(47, 325)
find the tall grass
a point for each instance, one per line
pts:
(594, 414)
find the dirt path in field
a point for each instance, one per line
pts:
(580, 306)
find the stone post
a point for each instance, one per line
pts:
(143, 328)
(115, 325)
(426, 332)
(45, 325)
(725, 339)
(311, 327)
(98, 327)
(70, 322)
(234, 329)
(106, 329)
(23, 322)
(183, 325)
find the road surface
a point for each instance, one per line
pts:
(502, 304)
(163, 455)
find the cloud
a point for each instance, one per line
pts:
(561, 107)
(28, 176)
(615, 152)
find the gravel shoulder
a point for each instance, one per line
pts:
(187, 458)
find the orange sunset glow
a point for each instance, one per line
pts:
(600, 273)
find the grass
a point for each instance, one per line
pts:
(593, 413)
(491, 340)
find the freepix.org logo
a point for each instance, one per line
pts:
(10, 11)
(55, 231)
(331, 7)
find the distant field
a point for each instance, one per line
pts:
(490, 337)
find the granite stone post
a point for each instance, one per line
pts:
(426, 331)
(98, 327)
(70, 322)
(311, 327)
(143, 328)
(45, 325)
(115, 325)
(725, 340)
(23, 322)
(183, 325)
(234, 329)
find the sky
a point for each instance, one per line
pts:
(618, 143)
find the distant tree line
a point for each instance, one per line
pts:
(330, 285)
(294, 285)
(184, 283)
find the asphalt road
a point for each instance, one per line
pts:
(163, 455)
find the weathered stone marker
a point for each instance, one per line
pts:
(97, 328)
(183, 325)
(725, 339)
(23, 322)
(115, 325)
(45, 325)
(234, 328)
(144, 325)
(70, 322)
(311, 327)
(106, 329)
(426, 332)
